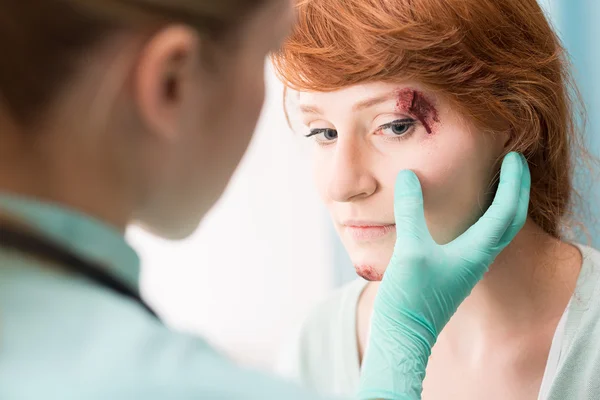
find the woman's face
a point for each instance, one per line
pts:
(364, 135)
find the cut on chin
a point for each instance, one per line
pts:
(369, 272)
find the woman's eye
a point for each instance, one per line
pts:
(323, 135)
(330, 134)
(399, 129)
(396, 128)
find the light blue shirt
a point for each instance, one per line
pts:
(65, 337)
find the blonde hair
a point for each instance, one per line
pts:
(41, 41)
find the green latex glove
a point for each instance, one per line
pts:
(425, 282)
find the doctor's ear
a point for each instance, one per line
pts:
(166, 67)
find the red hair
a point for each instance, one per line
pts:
(498, 62)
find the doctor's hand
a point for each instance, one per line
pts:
(425, 282)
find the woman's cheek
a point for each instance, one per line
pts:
(320, 172)
(453, 200)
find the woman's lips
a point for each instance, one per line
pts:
(368, 231)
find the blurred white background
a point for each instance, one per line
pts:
(260, 259)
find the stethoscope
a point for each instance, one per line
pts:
(36, 245)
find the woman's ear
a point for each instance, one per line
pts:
(507, 138)
(165, 67)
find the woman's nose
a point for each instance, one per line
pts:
(350, 177)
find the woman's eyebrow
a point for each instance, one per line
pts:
(361, 105)
(373, 101)
(310, 109)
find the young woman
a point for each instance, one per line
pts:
(122, 111)
(445, 88)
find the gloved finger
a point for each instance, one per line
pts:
(488, 231)
(522, 206)
(411, 228)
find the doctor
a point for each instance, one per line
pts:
(115, 112)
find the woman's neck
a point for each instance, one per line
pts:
(528, 286)
(532, 280)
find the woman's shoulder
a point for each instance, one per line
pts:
(583, 312)
(588, 284)
(324, 353)
(579, 357)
